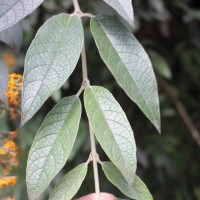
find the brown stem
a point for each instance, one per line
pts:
(181, 110)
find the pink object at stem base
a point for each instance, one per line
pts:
(103, 196)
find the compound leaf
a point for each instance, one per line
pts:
(50, 60)
(52, 145)
(69, 184)
(112, 129)
(12, 11)
(129, 64)
(137, 191)
(123, 8)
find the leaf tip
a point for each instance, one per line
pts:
(158, 127)
(31, 196)
(24, 119)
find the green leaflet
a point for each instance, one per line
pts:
(112, 129)
(129, 64)
(50, 60)
(69, 184)
(137, 191)
(13, 11)
(123, 8)
(52, 145)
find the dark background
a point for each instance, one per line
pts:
(169, 30)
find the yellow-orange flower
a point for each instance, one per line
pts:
(2, 151)
(10, 146)
(15, 87)
(9, 153)
(10, 60)
(8, 181)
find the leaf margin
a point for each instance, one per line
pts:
(134, 166)
(77, 104)
(156, 121)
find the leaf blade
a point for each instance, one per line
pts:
(123, 8)
(3, 82)
(50, 60)
(112, 129)
(13, 36)
(69, 184)
(52, 144)
(129, 64)
(13, 11)
(138, 191)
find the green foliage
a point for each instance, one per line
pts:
(112, 130)
(52, 145)
(129, 64)
(137, 191)
(169, 31)
(50, 60)
(69, 184)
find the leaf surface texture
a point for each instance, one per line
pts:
(137, 191)
(112, 129)
(129, 64)
(52, 145)
(50, 60)
(12, 11)
(123, 8)
(69, 184)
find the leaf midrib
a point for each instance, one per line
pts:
(55, 141)
(50, 66)
(85, 165)
(129, 190)
(109, 129)
(52, 196)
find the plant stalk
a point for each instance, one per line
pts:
(85, 83)
(94, 161)
(84, 64)
(76, 6)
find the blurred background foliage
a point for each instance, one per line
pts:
(169, 163)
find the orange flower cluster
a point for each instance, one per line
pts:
(10, 60)
(11, 149)
(15, 87)
(8, 181)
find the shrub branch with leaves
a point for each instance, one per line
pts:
(50, 60)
